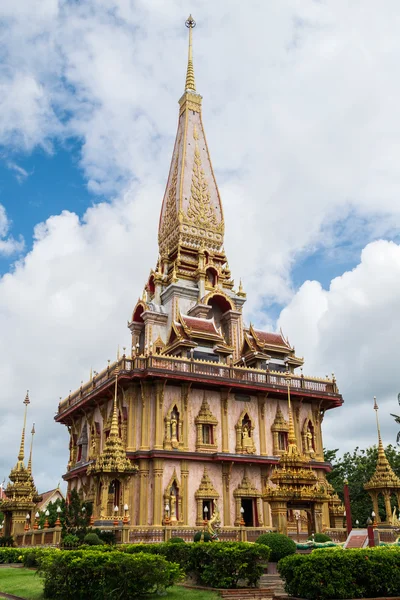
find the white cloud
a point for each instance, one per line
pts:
(354, 329)
(8, 245)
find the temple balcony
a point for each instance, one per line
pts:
(239, 380)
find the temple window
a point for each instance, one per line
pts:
(280, 430)
(282, 440)
(244, 434)
(206, 498)
(211, 278)
(173, 500)
(205, 428)
(173, 429)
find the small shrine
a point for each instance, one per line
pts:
(383, 482)
(295, 486)
(21, 495)
(112, 470)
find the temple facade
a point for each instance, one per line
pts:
(204, 415)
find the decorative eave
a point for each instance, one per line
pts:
(206, 489)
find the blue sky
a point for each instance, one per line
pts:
(301, 115)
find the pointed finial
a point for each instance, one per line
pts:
(376, 408)
(144, 296)
(291, 433)
(190, 82)
(114, 429)
(91, 374)
(30, 453)
(22, 446)
(118, 357)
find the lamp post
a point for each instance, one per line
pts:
(205, 510)
(28, 516)
(373, 515)
(58, 522)
(370, 530)
(116, 521)
(166, 518)
(126, 518)
(46, 523)
(36, 525)
(242, 523)
(347, 506)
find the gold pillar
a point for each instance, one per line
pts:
(158, 468)
(318, 517)
(185, 495)
(145, 420)
(226, 479)
(131, 397)
(185, 391)
(279, 516)
(265, 505)
(261, 423)
(388, 508)
(224, 420)
(159, 405)
(143, 490)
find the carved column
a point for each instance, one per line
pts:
(224, 420)
(279, 516)
(185, 391)
(185, 495)
(265, 505)
(226, 479)
(318, 517)
(158, 468)
(261, 423)
(159, 405)
(130, 397)
(388, 508)
(143, 490)
(145, 420)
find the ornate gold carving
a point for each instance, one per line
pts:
(205, 491)
(244, 434)
(170, 218)
(206, 428)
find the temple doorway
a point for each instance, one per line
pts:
(249, 514)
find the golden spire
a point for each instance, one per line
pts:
(30, 453)
(384, 476)
(291, 434)
(190, 82)
(114, 430)
(22, 446)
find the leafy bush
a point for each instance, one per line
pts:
(176, 540)
(6, 540)
(92, 539)
(82, 574)
(223, 564)
(32, 557)
(107, 536)
(322, 575)
(176, 553)
(202, 536)
(280, 545)
(320, 538)
(70, 540)
(11, 555)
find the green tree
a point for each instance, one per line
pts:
(77, 513)
(358, 467)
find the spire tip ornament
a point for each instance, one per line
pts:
(190, 81)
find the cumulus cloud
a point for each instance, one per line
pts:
(8, 245)
(353, 328)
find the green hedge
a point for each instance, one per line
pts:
(223, 564)
(280, 545)
(178, 553)
(82, 574)
(319, 538)
(338, 573)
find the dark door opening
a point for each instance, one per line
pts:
(248, 516)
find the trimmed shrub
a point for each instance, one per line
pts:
(280, 545)
(223, 564)
(92, 539)
(11, 555)
(176, 540)
(82, 574)
(323, 575)
(320, 538)
(176, 553)
(202, 536)
(70, 540)
(32, 557)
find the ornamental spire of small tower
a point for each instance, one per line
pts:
(384, 476)
(21, 454)
(190, 81)
(30, 452)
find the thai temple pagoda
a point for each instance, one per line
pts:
(383, 482)
(204, 414)
(21, 495)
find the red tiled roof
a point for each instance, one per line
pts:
(201, 325)
(274, 339)
(46, 496)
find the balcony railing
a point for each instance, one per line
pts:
(176, 365)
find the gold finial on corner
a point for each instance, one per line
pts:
(114, 429)
(190, 81)
(91, 374)
(21, 454)
(174, 275)
(376, 408)
(144, 295)
(118, 356)
(30, 453)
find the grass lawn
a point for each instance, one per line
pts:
(26, 584)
